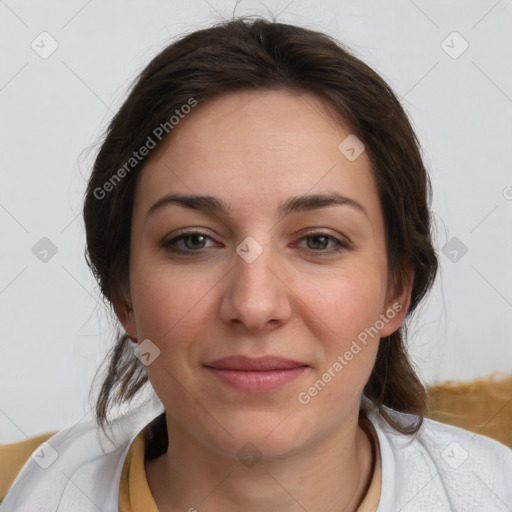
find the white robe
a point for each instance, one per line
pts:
(442, 468)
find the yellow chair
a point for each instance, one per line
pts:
(483, 406)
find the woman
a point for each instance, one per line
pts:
(258, 218)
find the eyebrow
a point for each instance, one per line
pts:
(295, 204)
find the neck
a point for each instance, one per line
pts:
(333, 475)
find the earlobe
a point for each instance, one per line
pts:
(124, 312)
(398, 304)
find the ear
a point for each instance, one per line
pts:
(123, 307)
(397, 303)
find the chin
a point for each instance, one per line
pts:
(261, 434)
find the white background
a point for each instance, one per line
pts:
(54, 328)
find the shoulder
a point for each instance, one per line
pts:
(14, 456)
(443, 467)
(78, 462)
(462, 444)
(458, 452)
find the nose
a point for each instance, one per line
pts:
(256, 295)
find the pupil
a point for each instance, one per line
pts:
(316, 238)
(194, 238)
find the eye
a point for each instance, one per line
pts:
(320, 242)
(189, 242)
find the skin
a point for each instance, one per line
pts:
(254, 150)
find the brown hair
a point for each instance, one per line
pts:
(256, 54)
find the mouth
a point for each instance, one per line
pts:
(256, 375)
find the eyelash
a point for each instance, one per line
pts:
(170, 245)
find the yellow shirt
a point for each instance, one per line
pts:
(134, 492)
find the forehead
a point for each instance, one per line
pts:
(257, 147)
(240, 122)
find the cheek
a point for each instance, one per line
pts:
(350, 309)
(346, 302)
(170, 311)
(349, 305)
(356, 307)
(166, 303)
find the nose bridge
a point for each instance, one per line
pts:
(253, 266)
(255, 296)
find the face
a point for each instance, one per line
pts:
(306, 280)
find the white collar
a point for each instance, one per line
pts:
(86, 473)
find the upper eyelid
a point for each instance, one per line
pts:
(199, 231)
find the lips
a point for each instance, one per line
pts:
(243, 363)
(255, 375)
